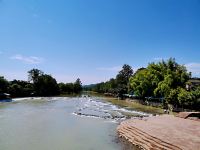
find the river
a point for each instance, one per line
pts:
(60, 123)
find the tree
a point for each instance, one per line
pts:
(141, 83)
(62, 87)
(18, 88)
(172, 78)
(46, 85)
(124, 75)
(162, 79)
(67, 88)
(189, 99)
(118, 86)
(34, 74)
(3, 84)
(122, 80)
(138, 70)
(77, 86)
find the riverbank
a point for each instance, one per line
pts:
(130, 104)
(134, 105)
(161, 132)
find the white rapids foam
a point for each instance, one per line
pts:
(97, 108)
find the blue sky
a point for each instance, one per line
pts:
(92, 39)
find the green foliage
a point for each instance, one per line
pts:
(43, 84)
(46, 85)
(117, 86)
(141, 84)
(172, 98)
(124, 75)
(18, 88)
(62, 87)
(164, 79)
(122, 80)
(34, 74)
(39, 84)
(3, 85)
(71, 88)
(77, 86)
(189, 99)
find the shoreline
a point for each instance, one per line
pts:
(126, 145)
(161, 132)
(133, 105)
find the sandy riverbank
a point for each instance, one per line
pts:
(161, 132)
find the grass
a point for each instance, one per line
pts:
(135, 106)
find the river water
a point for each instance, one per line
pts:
(60, 124)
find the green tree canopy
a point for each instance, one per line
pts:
(141, 83)
(124, 75)
(34, 74)
(77, 86)
(122, 80)
(46, 85)
(162, 79)
(3, 84)
(19, 88)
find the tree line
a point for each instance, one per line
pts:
(38, 84)
(166, 81)
(115, 86)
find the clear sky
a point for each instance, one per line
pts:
(92, 39)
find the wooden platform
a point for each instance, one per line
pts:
(162, 132)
